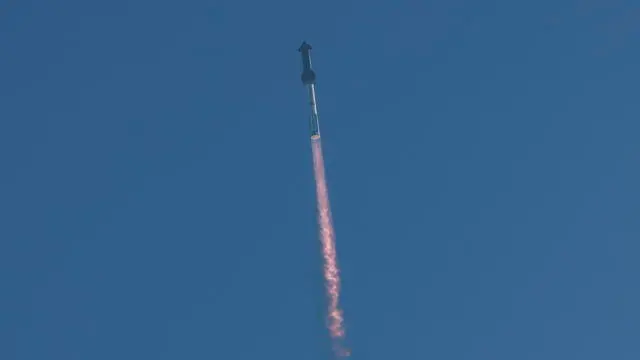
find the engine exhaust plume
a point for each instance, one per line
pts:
(327, 238)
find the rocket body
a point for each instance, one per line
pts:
(314, 122)
(308, 78)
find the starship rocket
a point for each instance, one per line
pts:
(309, 80)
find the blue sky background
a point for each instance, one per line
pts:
(157, 199)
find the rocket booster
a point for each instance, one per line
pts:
(308, 78)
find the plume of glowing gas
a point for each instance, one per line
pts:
(327, 237)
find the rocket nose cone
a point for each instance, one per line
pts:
(304, 46)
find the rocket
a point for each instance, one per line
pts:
(309, 80)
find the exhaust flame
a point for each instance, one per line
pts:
(327, 237)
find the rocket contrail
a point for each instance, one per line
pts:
(327, 237)
(325, 223)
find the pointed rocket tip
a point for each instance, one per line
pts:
(304, 46)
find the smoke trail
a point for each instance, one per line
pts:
(327, 237)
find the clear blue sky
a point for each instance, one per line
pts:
(157, 199)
